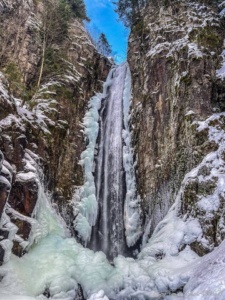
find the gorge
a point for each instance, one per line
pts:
(112, 182)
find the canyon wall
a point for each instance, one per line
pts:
(41, 121)
(174, 51)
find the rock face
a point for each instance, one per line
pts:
(174, 52)
(40, 128)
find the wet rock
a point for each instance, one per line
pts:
(79, 293)
(4, 234)
(20, 144)
(24, 194)
(47, 293)
(17, 249)
(24, 227)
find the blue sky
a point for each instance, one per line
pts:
(104, 19)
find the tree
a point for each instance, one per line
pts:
(54, 27)
(78, 9)
(103, 45)
(128, 10)
(55, 24)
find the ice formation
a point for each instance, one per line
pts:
(88, 207)
(132, 209)
(109, 175)
(108, 234)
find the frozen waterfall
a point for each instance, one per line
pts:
(109, 200)
(108, 234)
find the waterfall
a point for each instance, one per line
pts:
(108, 234)
(109, 214)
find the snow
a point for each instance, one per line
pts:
(208, 277)
(194, 51)
(8, 166)
(5, 182)
(170, 234)
(61, 262)
(6, 245)
(10, 120)
(99, 296)
(190, 113)
(21, 176)
(14, 297)
(4, 95)
(6, 225)
(195, 16)
(38, 115)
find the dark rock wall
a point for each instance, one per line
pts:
(174, 51)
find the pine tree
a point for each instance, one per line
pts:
(103, 45)
(78, 9)
(55, 24)
(128, 10)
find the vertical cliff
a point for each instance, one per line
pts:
(174, 51)
(47, 78)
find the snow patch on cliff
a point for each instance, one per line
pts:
(199, 17)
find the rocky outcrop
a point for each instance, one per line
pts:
(174, 52)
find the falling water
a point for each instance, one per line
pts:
(108, 234)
